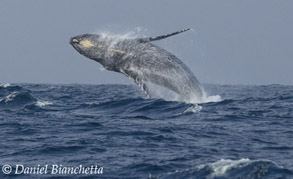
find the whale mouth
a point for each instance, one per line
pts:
(75, 43)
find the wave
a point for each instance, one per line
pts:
(141, 108)
(43, 103)
(193, 109)
(5, 85)
(226, 168)
(6, 89)
(220, 168)
(16, 99)
(160, 92)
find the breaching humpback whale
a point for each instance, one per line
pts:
(143, 62)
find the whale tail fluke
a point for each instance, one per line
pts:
(149, 39)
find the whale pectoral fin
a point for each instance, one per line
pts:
(149, 39)
(135, 78)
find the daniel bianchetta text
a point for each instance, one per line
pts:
(55, 170)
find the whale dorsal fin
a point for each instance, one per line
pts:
(149, 39)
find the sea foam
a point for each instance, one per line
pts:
(43, 103)
(220, 167)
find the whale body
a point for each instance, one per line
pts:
(142, 62)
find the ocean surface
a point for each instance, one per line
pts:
(248, 133)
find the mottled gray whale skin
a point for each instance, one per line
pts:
(143, 62)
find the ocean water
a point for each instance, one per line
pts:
(247, 134)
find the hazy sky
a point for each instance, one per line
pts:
(232, 42)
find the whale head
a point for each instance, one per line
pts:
(90, 46)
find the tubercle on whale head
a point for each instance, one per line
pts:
(90, 46)
(98, 48)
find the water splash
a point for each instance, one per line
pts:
(193, 109)
(112, 38)
(158, 91)
(215, 98)
(102, 69)
(109, 34)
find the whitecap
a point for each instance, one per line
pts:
(193, 109)
(10, 97)
(43, 103)
(93, 103)
(220, 167)
(5, 85)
